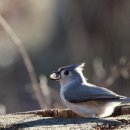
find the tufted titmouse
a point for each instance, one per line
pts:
(83, 98)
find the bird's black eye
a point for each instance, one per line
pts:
(66, 72)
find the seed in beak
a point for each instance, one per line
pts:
(55, 76)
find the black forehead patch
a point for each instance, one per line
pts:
(61, 69)
(69, 67)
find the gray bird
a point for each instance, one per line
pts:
(83, 98)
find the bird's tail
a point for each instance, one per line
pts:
(126, 101)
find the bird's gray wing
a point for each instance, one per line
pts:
(85, 93)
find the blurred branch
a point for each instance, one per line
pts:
(26, 59)
(45, 90)
(116, 71)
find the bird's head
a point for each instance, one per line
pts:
(69, 73)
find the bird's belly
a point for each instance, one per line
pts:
(91, 108)
(82, 109)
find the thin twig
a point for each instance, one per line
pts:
(26, 59)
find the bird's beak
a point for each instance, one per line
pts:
(55, 76)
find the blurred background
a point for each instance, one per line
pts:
(56, 33)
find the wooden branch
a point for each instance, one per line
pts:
(67, 113)
(63, 119)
